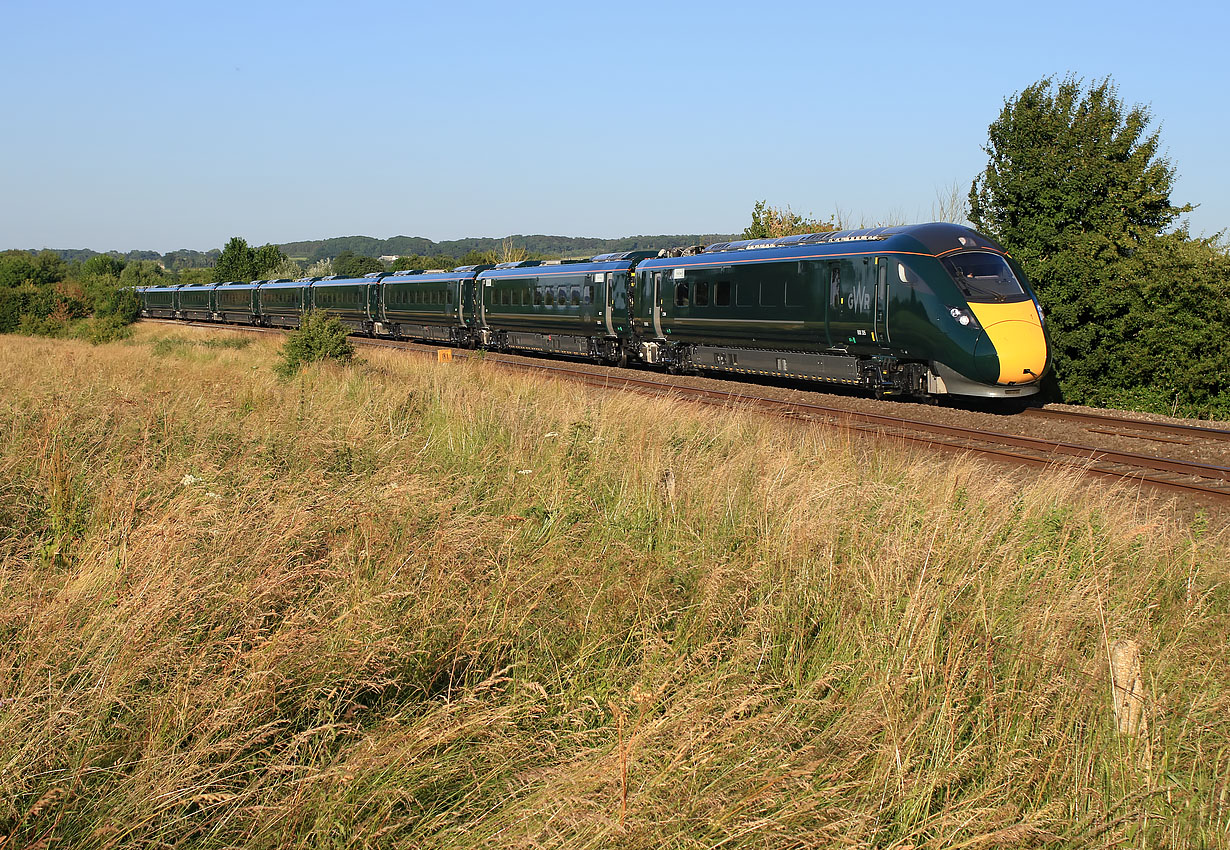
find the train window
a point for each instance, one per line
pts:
(983, 276)
(550, 297)
(701, 294)
(537, 297)
(681, 294)
(576, 296)
(796, 292)
(721, 293)
(834, 284)
(504, 297)
(746, 293)
(771, 293)
(589, 293)
(448, 296)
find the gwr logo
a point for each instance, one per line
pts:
(859, 299)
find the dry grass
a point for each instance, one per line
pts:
(411, 604)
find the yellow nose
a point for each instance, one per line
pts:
(1016, 332)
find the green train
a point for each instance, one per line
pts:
(921, 310)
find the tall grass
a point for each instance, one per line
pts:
(416, 604)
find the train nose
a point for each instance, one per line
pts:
(1012, 347)
(1019, 349)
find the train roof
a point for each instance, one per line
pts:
(569, 268)
(459, 273)
(931, 239)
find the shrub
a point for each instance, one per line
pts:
(100, 329)
(320, 337)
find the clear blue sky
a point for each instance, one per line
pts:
(163, 125)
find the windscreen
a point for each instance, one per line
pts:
(983, 276)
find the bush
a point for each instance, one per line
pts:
(100, 329)
(320, 337)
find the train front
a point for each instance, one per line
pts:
(992, 339)
(1010, 350)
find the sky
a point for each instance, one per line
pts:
(160, 126)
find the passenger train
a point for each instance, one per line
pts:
(922, 310)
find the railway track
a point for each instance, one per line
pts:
(1208, 482)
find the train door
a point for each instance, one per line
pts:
(608, 301)
(373, 301)
(656, 305)
(881, 302)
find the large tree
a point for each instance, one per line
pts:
(1076, 189)
(236, 262)
(266, 259)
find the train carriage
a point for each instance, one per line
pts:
(431, 305)
(354, 301)
(195, 301)
(283, 302)
(158, 302)
(573, 307)
(931, 308)
(237, 302)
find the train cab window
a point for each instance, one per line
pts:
(983, 276)
(589, 293)
(834, 285)
(721, 293)
(576, 296)
(681, 294)
(700, 294)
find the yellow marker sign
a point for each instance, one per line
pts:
(444, 355)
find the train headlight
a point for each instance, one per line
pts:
(963, 317)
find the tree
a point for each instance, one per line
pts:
(142, 273)
(770, 223)
(348, 264)
(265, 259)
(236, 262)
(1076, 190)
(103, 265)
(18, 267)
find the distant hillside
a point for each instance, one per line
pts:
(561, 246)
(405, 246)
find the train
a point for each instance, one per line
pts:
(915, 311)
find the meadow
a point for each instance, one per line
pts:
(404, 603)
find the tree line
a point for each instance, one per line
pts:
(44, 295)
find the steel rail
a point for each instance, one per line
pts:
(1172, 428)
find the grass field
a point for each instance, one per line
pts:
(410, 604)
